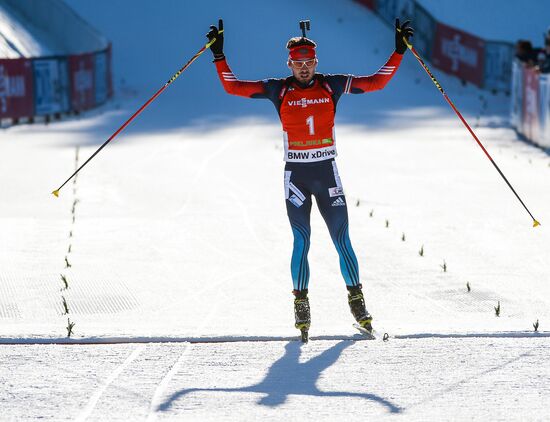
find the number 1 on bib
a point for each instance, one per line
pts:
(311, 125)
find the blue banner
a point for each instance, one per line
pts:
(101, 78)
(388, 10)
(424, 31)
(516, 95)
(544, 113)
(51, 86)
(498, 65)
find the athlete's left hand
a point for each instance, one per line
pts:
(402, 31)
(217, 47)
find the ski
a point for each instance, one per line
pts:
(368, 334)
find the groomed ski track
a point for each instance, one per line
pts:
(248, 381)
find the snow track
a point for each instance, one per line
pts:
(87, 411)
(283, 379)
(163, 385)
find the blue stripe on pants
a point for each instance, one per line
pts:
(348, 261)
(299, 265)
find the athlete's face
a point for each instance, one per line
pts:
(303, 70)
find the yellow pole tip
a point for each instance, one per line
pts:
(56, 193)
(535, 223)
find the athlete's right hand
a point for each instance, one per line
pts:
(403, 33)
(217, 46)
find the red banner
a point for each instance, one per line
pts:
(16, 88)
(369, 3)
(530, 103)
(81, 71)
(459, 53)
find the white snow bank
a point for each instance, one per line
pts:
(19, 39)
(44, 28)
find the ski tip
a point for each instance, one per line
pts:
(535, 223)
(56, 193)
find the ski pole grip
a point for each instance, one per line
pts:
(212, 41)
(409, 45)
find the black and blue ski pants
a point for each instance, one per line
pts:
(320, 179)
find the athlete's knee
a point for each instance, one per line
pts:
(340, 234)
(301, 237)
(348, 259)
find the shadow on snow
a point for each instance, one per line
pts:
(287, 376)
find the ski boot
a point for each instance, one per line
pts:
(357, 307)
(302, 313)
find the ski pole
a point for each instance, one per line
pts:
(149, 101)
(438, 85)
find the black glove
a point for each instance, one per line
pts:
(402, 31)
(217, 47)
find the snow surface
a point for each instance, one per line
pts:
(178, 242)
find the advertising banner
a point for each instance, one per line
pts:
(81, 73)
(498, 65)
(544, 97)
(404, 10)
(51, 86)
(424, 31)
(531, 104)
(101, 85)
(459, 53)
(369, 3)
(516, 95)
(388, 10)
(16, 90)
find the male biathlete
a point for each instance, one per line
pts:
(306, 103)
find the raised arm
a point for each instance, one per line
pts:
(250, 89)
(233, 86)
(350, 84)
(378, 80)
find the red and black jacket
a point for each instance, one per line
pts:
(307, 113)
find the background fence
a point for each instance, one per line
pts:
(530, 110)
(52, 85)
(487, 64)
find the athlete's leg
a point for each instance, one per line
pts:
(333, 207)
(298, 207)
(336, 219)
